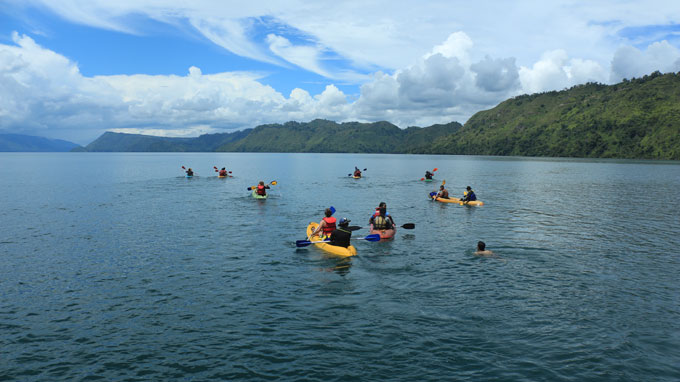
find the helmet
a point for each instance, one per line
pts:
(344, 221)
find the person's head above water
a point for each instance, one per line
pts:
(261, 183)
(469, 188)
(328, 212)
(481, 246)
(382, 204)
(441, 187)
(344, 222)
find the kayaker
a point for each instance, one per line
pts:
(261, 189)
(481, 249)
(428, 175)
(382, 221)
(357, 172)
(326, 225)
(190, 172)
(443, 193)
(340, 236)
(468, 195)
(223, 172)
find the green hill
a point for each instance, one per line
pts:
(315, 136)
(639, 118)
(327, 136)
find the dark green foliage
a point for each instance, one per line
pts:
(639, 118)
(316, 136)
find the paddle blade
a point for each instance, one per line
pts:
(354, 228)
(184, 167)
(273, 183)
(251, 188)
(302, 243)
(433, 194)
(374, 237)
(422, 178)
(365, 169)
(215, 167)
(408, 226)
(443, 182)
(332, 209)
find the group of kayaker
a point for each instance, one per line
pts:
(223, 173)
(338, 232)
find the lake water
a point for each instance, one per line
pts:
(113, 266)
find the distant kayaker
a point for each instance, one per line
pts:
(481, 249)
(340, 236)
(468, 195)
(357, 172)
(428, 175)
(326, 225)
(443, 193)
(382, 221)
(261, 189)
(190, 172)
(223, 172)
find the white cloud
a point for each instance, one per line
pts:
(306, 57)
(44, 93)
(629, 62)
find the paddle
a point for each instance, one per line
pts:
(433, 171)
(353, 174)
(304, 243)
(273, 183)
(404, 226)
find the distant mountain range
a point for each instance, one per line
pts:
(316, 136)
(18, 142)
(637, 118)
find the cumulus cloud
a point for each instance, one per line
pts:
(44, 93)
(629, 62)
(556, 71)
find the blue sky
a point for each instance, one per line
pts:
(72, 69)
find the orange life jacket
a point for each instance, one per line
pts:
(329, 227)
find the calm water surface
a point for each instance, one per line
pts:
(115, 267)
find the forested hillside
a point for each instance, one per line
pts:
(637, 118)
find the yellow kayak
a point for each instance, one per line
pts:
(457, 201)
(333, 249)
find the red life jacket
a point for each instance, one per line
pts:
(329, 227)
(223, 172)
(260, 190)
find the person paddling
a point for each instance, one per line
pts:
(190, 172)
(468, 195)
(340, 236)
(382, 222)
(326, 225)
(357, 172)
(223, 172)
(261, 189)
(443, 193)
(428, 175)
